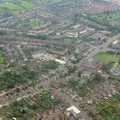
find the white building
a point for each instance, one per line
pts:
(73, 110)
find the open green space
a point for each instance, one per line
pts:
(9, 79)
(85, 39)
(50, 1)
(69, 40)
(35, 24)
(29, 108)
(106, 57)
(74, 40)
(14, 7)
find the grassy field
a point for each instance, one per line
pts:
(35, 24)
(106, 57)
(74, 40)
(15, 7)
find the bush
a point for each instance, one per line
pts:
(48, 65)
(109, 109)
(11, 78)
(27, 108)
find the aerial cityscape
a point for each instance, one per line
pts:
(59, 59)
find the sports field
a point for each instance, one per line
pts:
(106, 57)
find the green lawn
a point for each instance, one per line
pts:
(35, 24)
(50, 1)
(106, 57)
(77, 40)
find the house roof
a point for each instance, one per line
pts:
(74, 109)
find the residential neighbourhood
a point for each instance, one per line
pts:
(59, 60)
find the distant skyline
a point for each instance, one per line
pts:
(116, 1)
